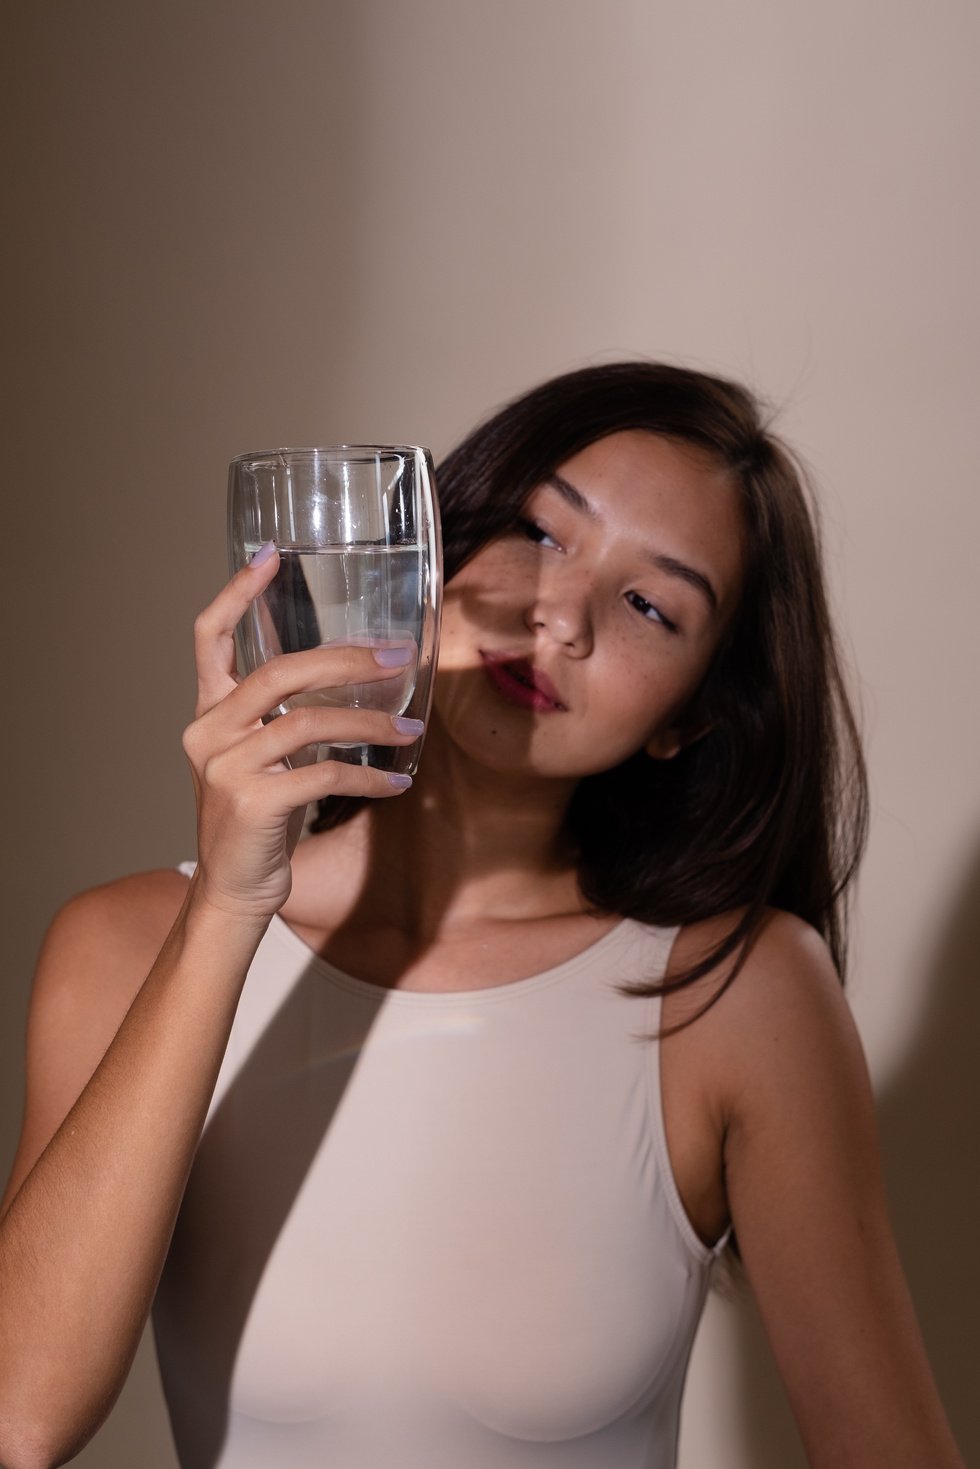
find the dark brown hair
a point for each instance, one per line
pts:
(767, 808)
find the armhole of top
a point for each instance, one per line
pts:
(703, 1253)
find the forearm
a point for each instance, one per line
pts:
(83, 1241)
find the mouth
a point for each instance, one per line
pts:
(521, 683)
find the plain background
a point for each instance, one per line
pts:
(233, 224)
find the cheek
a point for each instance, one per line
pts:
(479, 601)
(456, 636)
(641, 691)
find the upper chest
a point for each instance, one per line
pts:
(470, 956)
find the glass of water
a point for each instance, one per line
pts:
(357, 530)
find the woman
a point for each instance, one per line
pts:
(521, 1049)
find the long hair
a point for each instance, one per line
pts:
(768, 808)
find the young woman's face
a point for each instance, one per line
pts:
(580, 636)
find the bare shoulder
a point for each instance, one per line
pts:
(95, 956)
(787, 995)
(784, 944)
(777, 1051)
(786, 1080)
(733, 1059)
(101, 936)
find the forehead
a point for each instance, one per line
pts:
(666, 495)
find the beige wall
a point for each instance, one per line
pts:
(234, 224)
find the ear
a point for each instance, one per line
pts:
(667, 743)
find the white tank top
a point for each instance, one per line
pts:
(434, 1231)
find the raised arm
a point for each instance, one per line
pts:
(808, 1203)
(122, 1063)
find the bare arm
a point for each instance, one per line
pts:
(108, 1139)
(85, 1234)
(808, 1203)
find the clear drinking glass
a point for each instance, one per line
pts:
(357, 529)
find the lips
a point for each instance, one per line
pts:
(521, 683)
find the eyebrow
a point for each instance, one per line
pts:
(668, 564)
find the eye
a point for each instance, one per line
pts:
(535, 532)
(649, 611)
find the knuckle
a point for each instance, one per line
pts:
(304, 723)
(351, 659)
(269, 675)
(190, 739)
(332, 773)
(202, 626)
(349, 664)
(213, 771)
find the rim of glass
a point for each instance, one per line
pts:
(271, 456)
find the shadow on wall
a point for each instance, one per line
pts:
(929, 1117)
(930, 1129)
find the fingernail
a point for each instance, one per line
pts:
(400, 782)
(263, 554)
(394, 657)
(407, 726)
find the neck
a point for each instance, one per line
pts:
(465, 845)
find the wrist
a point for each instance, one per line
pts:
(211, 917)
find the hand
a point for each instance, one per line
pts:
(247, 798)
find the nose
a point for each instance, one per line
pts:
(561, 608)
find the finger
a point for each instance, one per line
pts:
(335, 778)
(266, 800)
(291, 674)
(214, 629)
(315, 725)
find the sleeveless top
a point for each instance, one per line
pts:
(434, 1231)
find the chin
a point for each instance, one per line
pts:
(512, 741)
(507, 752)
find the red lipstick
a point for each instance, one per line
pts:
(519, 682)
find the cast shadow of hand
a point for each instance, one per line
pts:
(256, 1151)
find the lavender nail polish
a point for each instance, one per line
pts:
(393, 657)
(407, 726)
(263, 554)
(400, 782)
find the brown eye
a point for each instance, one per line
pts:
(535, 532)
(649, 611)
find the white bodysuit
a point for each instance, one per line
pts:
(434, 1231)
